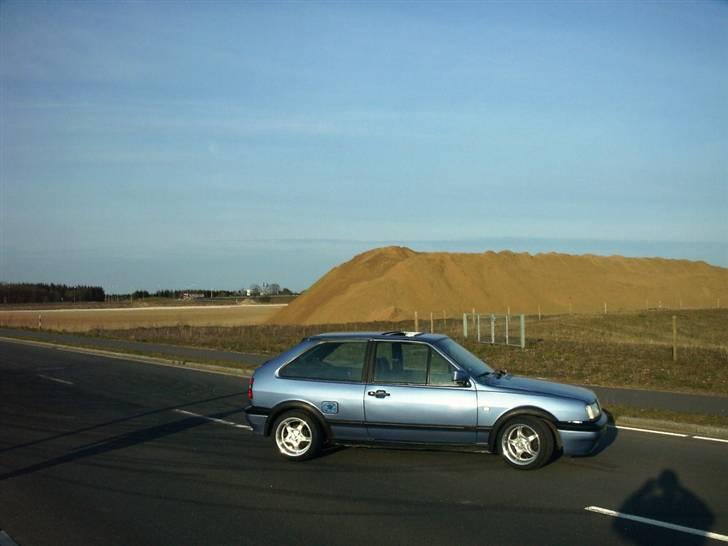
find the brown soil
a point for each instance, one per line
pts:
(392, 283)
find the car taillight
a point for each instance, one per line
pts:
(250, 389)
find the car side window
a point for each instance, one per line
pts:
(408, 363)
(333, 361)
(441, 370)
(397, 362)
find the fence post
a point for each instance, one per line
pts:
(40, 322)
(465, 325)
(509, 309)
(605, 307)
(539, 312)
(492, 329)
(432, 324)
(674, 338)
(417, 323)
(477, 322)
(523, 331)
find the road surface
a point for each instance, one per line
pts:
(105, 451)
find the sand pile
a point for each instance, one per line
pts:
(391, 283)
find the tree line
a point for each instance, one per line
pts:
(48, 293)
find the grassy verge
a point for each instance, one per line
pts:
(625, 350)
(625, 413)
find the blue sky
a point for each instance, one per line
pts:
(163, 144)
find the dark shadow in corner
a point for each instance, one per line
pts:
(664, 499)
(120, 442)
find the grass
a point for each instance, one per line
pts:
(625, 350)
(625, 413)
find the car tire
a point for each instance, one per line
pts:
(526, 442)
(297, 436)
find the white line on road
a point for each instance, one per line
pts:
(620, 427)
(665, 433)
(214, 420)
(49, 378)
(648, 521)
(710, 439)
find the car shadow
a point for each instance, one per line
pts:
(666, 500)
(122, 441)
(117, 421)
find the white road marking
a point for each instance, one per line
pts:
(57, 380)
(710, 439)
(620, 427)
(665, 433)
(648, 521)
(214, 420)
(5, 540)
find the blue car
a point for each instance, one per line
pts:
(415, 389)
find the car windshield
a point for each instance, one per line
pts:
(465, 358)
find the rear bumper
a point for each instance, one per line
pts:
(582, 439)
(257, 417)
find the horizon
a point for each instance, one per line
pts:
(278, 140)
(320, 267)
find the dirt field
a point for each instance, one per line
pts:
(390, 284)
(83, 320)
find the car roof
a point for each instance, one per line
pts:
(383, 336)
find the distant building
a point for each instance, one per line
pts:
(192, 296)
(272, 289)
(264, 289)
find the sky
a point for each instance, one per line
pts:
(148, 145)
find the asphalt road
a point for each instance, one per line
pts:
(171, 351)
(95, 451)
(698, 403)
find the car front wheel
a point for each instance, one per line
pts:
(297, 436)
(526, 443)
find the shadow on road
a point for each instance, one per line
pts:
(122, 441)
(120, 420)
(664, 499)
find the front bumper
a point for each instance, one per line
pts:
(582, 439)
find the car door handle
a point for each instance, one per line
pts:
(379, 394)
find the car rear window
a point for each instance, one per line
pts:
(332, 361)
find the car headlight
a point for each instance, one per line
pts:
(593, 410)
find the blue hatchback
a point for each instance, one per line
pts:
(409, 388)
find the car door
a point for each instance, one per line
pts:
(411, 397)
(329, 377)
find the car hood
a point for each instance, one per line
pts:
(537, 386)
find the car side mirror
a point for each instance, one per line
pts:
(460, 377)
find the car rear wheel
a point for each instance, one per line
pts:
(526, 442)
(297, 436)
